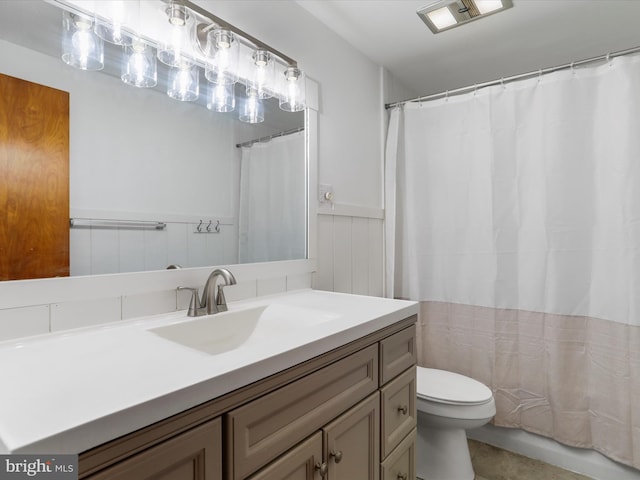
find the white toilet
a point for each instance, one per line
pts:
(448, 404)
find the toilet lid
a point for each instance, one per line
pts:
(449, 387)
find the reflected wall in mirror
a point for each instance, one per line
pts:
(136, 155)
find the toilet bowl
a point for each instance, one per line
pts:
(448, 404)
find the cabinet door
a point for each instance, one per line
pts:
(352, 442)
(193, 455)
(302, 462)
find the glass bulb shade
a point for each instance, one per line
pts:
(252, 108)
(222, 98)
(184, 82)
(172, 47)
(115, 21)
(223, 57)
(293, 97)
(81, 47)
(263, 73)
(139, 65)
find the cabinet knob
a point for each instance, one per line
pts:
(402, 476)
(321, 468)
(403, 409)
(337, 456)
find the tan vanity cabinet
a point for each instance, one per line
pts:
(348, 414)
(193, 455)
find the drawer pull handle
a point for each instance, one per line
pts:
(321, 468)
(402, 476)
(403, 409)
(337, 456)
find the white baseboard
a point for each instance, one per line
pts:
(578, 460)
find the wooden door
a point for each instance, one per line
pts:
(352, 442)
(34, 180)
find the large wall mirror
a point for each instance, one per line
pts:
(154, 181)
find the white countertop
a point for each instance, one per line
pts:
(70, 391)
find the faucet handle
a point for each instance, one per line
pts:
(194, 305)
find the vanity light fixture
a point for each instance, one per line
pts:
(81, 47)
(187, 38)
(447, 14)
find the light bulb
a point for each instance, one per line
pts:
(83, 44)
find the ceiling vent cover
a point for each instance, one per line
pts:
(448, 14)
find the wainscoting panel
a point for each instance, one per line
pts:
(350, 253)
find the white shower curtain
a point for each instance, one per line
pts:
(515, 219)
(272, 218)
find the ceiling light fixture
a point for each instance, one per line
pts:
(447, 14)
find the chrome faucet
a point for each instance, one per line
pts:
(213, 300)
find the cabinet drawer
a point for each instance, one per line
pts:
(263, 429)
(401, 464)
(398, 410)
(193, 455)
(397, 353)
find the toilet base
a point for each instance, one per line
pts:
(443, 454)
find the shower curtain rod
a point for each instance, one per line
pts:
(501, 81)
(269, 137)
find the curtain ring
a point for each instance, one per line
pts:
(502, 83)
(609, 58)
(446, 96)
(539, 75)
(475, 89)
(572, 69)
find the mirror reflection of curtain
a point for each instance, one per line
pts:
(516, 223)
(272, 200)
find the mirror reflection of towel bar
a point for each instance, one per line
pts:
(121, 224)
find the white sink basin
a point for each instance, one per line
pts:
(222, 332)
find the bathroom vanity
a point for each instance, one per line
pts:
(314, 385)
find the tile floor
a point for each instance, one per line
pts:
(491, 463)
